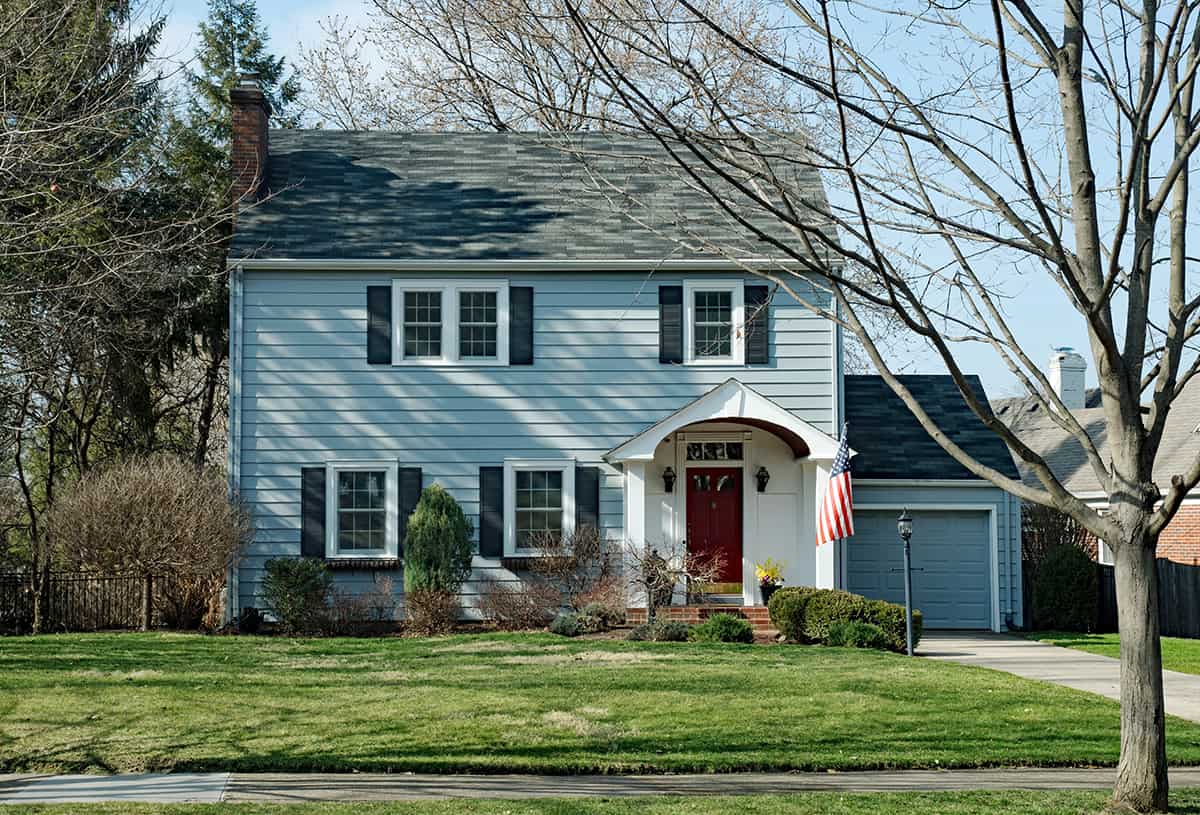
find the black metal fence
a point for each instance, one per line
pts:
(1178, 599)
(73, 602)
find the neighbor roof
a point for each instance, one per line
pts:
(482, 196)
(1065, 456)
(891, 442)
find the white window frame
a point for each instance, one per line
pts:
(1104, 555)
(737, 316)
(391, 508)
(511, 468)
(450, 290)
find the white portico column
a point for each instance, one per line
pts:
(826, 553)
(635, 518)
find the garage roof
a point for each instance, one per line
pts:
(891, 443)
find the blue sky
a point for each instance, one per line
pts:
(1037, 311)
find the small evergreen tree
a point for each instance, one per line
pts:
(437, 549)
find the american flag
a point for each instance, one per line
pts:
(837, 510)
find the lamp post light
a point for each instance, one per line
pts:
(904, 526)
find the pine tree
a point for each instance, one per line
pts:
(232, 40)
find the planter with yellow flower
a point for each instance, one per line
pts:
(770, 577)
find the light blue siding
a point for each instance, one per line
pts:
(308, 395)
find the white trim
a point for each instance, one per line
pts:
(993, 530)
(737, 321)
(513, 465)
(391, 504)
(728, 402)
(501, 264)
(923, 482)
(236, 283)
(450, 291)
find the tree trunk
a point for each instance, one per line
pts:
(1142, 771)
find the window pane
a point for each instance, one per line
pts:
(539, 505)
(423, 324)
(361, 514)
(712, 324)
(477, 324)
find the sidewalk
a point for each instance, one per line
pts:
(299, 787)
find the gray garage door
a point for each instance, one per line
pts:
(951, 548)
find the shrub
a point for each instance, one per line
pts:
(250, 620)
(437, 546)
(1064, 594)
(787, 611)
(575, 564)
(567, 624)
(371, 611)
(430, 612)
(597, 617)
(607, 594)
(890, 619)
(857, 634)
(159, 516)
(660, 631)
(518, 607)
(722, 628)
(296, 591)
(829, 606)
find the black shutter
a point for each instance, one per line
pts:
(491, 511)
(670, 324)
(410, 493)
(520, 325)
(758, 325)
(587, 497)
(379, 325)
(312, 512)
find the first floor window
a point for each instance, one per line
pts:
(361, 510)
(422, 324)
(539, 502)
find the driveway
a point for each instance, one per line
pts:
(1050, 663)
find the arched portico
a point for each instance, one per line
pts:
(714, 447)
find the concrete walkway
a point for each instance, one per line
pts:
(1062, 666)
(299, 787)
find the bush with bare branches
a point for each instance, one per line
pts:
(158, 516)
(573, 564)
(368, 612)
(656, 573)
(518, 606)
(429, 612)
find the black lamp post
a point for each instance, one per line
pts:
(904, 526)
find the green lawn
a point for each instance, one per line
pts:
(136, 702)
(817, 803)
(1178, 654)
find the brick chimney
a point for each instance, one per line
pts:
(1067, 370)
(249, 147)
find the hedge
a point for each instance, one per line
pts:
(806, 614)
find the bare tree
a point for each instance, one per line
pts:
(521, 65)
(655, 574)
(968, 149)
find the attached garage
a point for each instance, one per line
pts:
(952, 561)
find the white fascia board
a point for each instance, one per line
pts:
(923, 482)
(499, 265)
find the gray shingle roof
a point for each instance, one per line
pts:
(479, 196)
(891, 443)
(1065, 455)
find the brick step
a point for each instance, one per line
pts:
(759, 617)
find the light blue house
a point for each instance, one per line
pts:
(527, 326)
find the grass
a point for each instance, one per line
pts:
(816, 803)
(525, 703)
(1178, 654)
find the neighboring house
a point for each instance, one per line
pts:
(1180, 541)
(466, 309)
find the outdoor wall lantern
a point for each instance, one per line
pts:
(763, 477)
(669, 479)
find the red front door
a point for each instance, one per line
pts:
(714, 517)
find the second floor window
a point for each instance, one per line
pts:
(714, 330)
(423, 324)
(450, 322)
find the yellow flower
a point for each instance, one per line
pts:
(769, 571)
